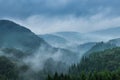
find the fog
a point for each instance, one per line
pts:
(38, 59)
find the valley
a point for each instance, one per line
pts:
(56, 56)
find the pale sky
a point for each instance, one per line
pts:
(48, 16)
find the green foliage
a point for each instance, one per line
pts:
(98, 61)
(8, 70)
(103, 75)
(102, 65)
(14, 52)
(100, 47)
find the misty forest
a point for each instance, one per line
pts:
(59, 40)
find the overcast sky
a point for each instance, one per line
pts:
(47, 16)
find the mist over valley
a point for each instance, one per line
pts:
(59, 40)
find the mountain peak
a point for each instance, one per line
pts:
(8, 21)
(5, 23)
(12, 26)
(16, 36)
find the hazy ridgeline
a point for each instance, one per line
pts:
(32, 57)
(59, 39)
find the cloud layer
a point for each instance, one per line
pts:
(46, 16)
(43, 25)
(25, 8)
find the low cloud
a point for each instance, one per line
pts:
(43, 25)
(48, 16)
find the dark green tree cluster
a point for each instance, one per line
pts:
(99, 61)
(103, 75)
(58, 77)
(8, 69)
(104, 65)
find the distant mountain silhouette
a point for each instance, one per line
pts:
(13, 35)
(54, 40)
(113, 32)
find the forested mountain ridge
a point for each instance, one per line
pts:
(101, 46)
(17, 42)
(99, 61)
(103, 65)
(29, 52)
(13, 35)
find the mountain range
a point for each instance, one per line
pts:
(54, 40)
(30, 51)
(108, 32)
(81, 38)
(15, 36)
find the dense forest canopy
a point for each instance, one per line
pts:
(104, 65)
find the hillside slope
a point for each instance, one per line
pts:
(99, 61)
(13, 35)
